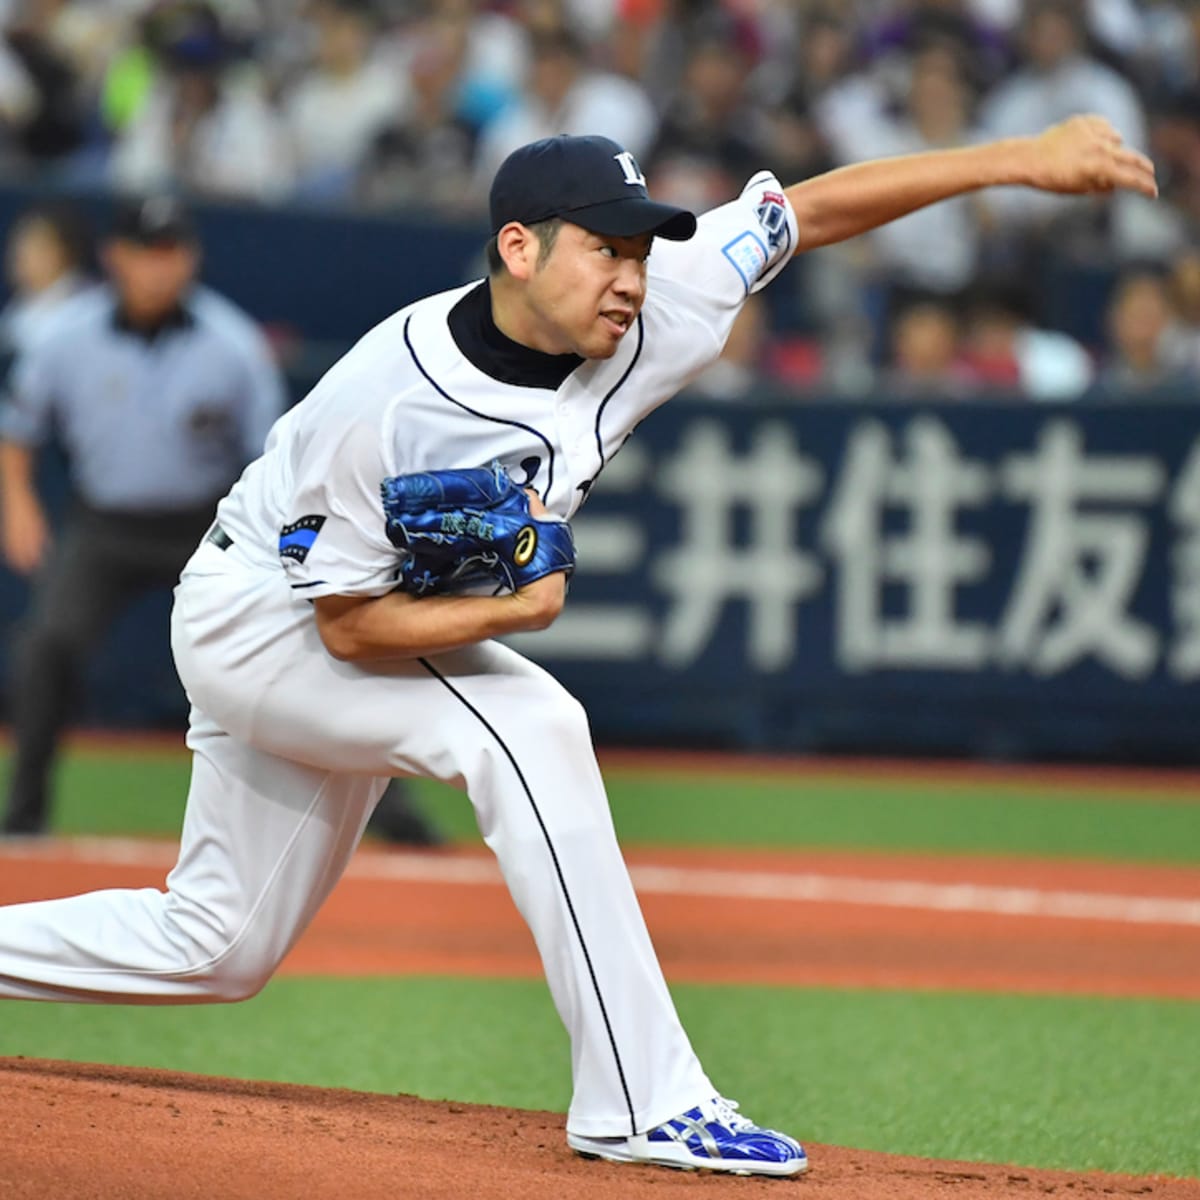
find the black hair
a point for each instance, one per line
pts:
(546, 233)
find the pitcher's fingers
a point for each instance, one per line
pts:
(1136, 158)
(536, 507)
(1136, 171)
(1105, 129)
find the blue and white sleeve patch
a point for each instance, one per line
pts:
(755, 252)
(296, 539)
(748, 254)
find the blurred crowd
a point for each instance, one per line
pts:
(390, 105)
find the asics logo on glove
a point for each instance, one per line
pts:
(525, 546)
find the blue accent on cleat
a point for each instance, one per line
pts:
(713, 1136)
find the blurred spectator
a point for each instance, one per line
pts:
(935, 249)
(47, 263)
(911, 27)
(1184, 282)
(1164, 63)
(1006, 352)
(705, 92)
(18, 100)
(653, 39)
(797, 147)
(1120, 26)
(151, 35)
(206, 125)
(1175, 147)
(129, 73)
(925, 361)
(1057, 79)
(822, 103)
(495, 59)
(46, 122)
(424, 155)
(841, 98)
(337, 108)
(566, 95)
(714, 135)
(161, 391)
(90, 36)
(1145, 352)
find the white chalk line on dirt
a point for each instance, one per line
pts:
(702, 883)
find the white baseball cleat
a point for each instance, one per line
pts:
(713, 1136)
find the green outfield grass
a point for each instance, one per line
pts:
(1041, 1081)
(107, 792)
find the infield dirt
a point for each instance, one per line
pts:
(75, 1132)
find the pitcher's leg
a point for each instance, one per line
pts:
(488, 720)
(264, 841)
(536, 787)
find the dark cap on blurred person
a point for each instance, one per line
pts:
(591, 182)
(153, 221)
(188, 35)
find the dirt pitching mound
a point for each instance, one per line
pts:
(115, 1133)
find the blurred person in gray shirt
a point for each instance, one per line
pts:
(47, 264)
(1146, 352)
(160, 391)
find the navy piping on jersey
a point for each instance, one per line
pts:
(616, 387)
(562, 883)
(441, 391)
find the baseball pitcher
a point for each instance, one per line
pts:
(336, 627)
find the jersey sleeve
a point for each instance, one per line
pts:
(698, 287)
(333, 540)
(738, 248)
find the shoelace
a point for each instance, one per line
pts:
(726, 1112)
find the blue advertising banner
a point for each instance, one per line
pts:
(1007, 580)
(999, 579)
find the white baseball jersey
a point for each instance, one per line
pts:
(405, 398)
(292, 748)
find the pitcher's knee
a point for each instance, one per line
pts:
(237, 977)
(222, 959)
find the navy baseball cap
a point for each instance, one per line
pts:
(590, 181)
(153, 221)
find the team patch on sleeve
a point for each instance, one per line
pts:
(772, 216)
(748, 255)
(296, 539)
(760, 248)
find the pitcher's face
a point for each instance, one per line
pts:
(588, 292)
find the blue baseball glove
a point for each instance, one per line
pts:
(463, 528)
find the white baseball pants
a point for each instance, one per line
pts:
(291, 750)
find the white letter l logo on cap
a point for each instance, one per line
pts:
(633, 173)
